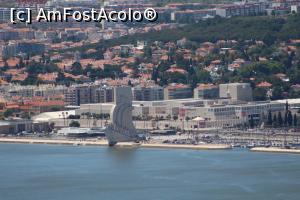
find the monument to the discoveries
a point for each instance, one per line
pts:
(121, 128)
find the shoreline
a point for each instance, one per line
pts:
(275, 150)
(104, 143)
(124, 145)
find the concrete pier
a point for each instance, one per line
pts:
(275, 150)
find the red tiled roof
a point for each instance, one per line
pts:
(206, 86)
(264, 84)
(177, 86)
(177, 70)
(20, 77)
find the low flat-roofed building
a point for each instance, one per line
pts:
(97, 108)
(215, 113)
(19, 126)
(237, 91)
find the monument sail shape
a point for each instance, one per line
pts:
(121, 128)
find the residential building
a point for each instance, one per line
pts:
(88, 93)
(206, 91)
(14, 48)
(45, 91)
(243, 9)
(9, 50)
(147, 93)
(177, 91)
(31, 48)
(4, 14)
(104, 94)
(8, 35)
(185, 16)
(80, 94)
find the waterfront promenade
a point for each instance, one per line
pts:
(104, 143)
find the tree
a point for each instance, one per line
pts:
(31, 79)
(76, 69)
(259, 94)
(168, 117)
(52, 125)
(74, 124)
(8, 113)
(251, 122)
(295, 120)
(275, 120)
(286, 106)
(74, 117)
(25, 115)
(154, 75)
(269, 39)
(285, 118)
(270, 121)
(148, 52)
(277, 93)
(290, 118)
(263, 117)
(203, 76)
(129, 83)
(280, 121)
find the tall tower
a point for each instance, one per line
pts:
(121, 128)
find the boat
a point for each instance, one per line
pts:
(236, 146)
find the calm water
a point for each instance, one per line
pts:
(65, 172)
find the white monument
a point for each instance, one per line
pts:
(121, 128)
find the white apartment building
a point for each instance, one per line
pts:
(46, 91)
(242, 9)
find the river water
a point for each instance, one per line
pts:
(29, 172)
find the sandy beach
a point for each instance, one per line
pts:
(104, 143)
(275, 150)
